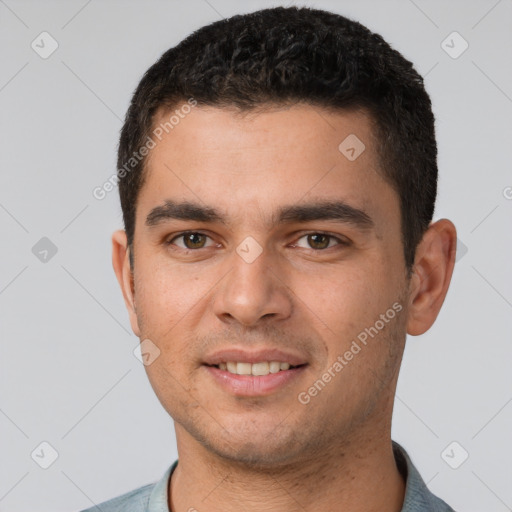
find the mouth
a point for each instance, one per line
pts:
(240, 372)
(258, 369)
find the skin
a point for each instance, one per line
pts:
(273, 452)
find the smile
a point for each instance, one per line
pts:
(258, 369)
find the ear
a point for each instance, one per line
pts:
(124, 274)
(432, 272)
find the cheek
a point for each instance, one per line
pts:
(341, 299)
(343, 303)
(163, 296)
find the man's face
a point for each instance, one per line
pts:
(254, 280)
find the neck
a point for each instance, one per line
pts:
(357, 475)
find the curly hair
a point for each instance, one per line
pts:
(279, 56)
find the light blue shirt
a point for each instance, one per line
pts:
(153, 497)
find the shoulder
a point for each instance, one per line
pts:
(148, 498)
(133, 501)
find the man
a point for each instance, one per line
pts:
(277, 174)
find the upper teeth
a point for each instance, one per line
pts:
(262, 368)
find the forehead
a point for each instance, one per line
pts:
(283, 128)
(255, 162)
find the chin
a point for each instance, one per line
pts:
(253, 444)
(257, 455)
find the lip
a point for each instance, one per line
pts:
(249, 385)
(239, 355)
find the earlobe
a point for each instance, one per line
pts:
(124, 274)
(432, 272)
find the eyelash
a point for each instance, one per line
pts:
(184, 233)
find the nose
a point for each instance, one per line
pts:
(253, 291)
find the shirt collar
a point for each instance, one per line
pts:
(158, 498)
(417, 495)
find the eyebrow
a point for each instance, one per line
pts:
(338, 211)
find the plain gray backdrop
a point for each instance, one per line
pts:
(68, 374)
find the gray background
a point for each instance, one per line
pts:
(68, 375)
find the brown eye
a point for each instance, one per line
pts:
(191, 240)
(319, 241)
(194, 240)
